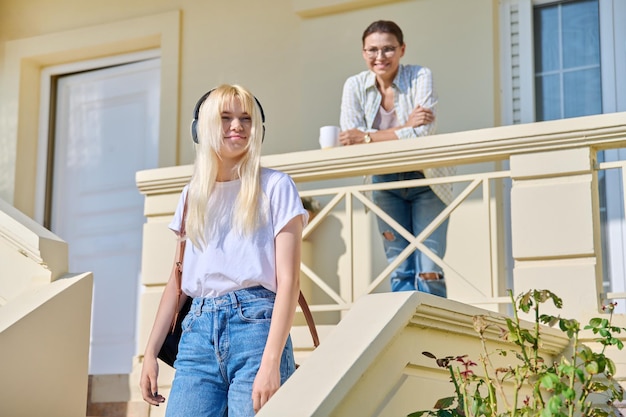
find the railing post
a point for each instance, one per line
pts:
(556, 228)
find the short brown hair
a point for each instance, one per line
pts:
(384, 26)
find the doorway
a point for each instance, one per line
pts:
(106, 124)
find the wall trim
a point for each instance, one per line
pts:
(316, 8)
(25, 59)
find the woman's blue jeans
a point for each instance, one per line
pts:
(220, 353)
(413, 208)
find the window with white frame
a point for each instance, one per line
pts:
(566, 40)
(567, 59)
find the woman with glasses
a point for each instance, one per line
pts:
(391, 101)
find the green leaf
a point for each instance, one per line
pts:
(525, 302)
(594, 322)
(610, 366)
(549, 381)
(418, 414)
(567, 369)
(554, 404)
(597, 386)
(585, 352)
(548, 319)
(527, 336)
(580, 374)
(592, 367)
(444, 402)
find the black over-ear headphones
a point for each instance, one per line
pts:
(196, 113)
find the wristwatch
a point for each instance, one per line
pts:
(367, 138)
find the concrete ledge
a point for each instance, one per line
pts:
(30, 240)
(371, 363)
(44, 343)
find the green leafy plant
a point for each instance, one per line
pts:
(579, 385)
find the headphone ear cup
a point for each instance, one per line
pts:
(194, 130)
(196, 113)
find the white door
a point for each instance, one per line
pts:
(106, 130)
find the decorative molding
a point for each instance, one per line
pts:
(316, 8)
(26, 236)
(472, 146)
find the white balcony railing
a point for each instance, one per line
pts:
(465, 186)
(525, 214)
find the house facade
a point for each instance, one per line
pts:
(95, 106)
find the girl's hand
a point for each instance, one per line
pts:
(351, 137)
(148, 382)
(266, 383)
(420, 116)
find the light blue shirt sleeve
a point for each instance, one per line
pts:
(414, 87)
(352, 104)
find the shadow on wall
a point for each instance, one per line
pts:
(325, 260)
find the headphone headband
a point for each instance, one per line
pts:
(196, 114)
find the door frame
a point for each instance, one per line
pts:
(25, 58)
(46, 122)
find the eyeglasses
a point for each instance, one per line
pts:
(388, 51)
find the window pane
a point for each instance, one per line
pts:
(582, 92)
(581, 34)
(548, 90)
(546, 30)
(567, 59)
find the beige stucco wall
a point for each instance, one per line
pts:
(296, 65)
(44, 321)
(293, 54)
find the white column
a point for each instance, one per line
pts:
(556, 228)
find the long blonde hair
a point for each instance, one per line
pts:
(248, 211)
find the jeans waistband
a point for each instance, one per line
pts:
(233, 298)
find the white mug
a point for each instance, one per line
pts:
(329, 136)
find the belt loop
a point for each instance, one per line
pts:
(234, 299)
(199, 306)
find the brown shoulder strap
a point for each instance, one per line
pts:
(309, 319)
(179, 264)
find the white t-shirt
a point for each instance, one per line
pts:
(231, 261)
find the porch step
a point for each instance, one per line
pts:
(109, 396)
(118, 409)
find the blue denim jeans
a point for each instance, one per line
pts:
(220, 353)
(414, 208)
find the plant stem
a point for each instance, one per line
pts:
(492, 381)
(520, 343)
(536, 340)
(461, 398)
(572, 378)
(456, 385)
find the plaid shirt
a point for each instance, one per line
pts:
(413, 85)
